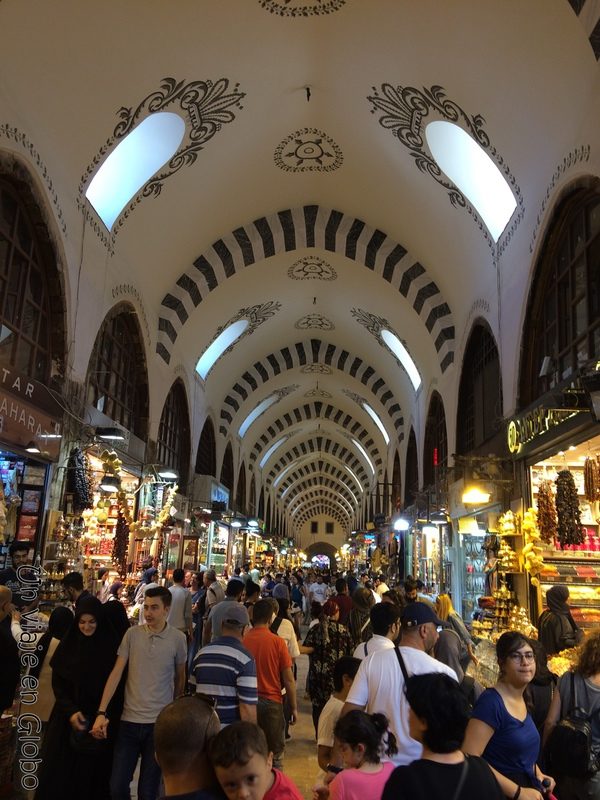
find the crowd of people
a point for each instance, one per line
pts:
(194, 691)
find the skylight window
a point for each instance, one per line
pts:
(271, 450)
(359, 446)
(469, 167)
(377, 421)
(402, 354)
(218, 347)
(254, 415)
(133, 161)
(282, 475)
(358, 483)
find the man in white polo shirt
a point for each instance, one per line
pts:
(379, 682)
(156, 655)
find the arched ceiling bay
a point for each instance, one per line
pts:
(303, 197)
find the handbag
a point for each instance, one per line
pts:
(569, 750)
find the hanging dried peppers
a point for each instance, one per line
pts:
(79, 482)
(570, 530)
(591, 480)
(546, 513)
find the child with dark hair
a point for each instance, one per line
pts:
(360, 738)
(438, 717)
(244, 766)
(344, 671)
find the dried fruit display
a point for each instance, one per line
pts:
(546, 513)
(79, 483)
(532, 548)
(591, 479)
(570, 530)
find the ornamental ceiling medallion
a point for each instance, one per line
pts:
(319, 369)
(314, 321)
(301, 8)
(318, 393)
(312, 268)
(308, 150)
(405, 111)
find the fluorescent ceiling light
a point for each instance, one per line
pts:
(218, 347)
(469, 167)
(377, 421)
(364, 452)
(253, 415)
(110, 434)
(271, 450)
(133, 162)
(167, 473)
(403, 356)
(32, 448)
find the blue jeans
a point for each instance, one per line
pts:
(134, 739)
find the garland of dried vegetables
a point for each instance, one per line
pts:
(546, 513)
(570, 530)
(121, 540)
(591, 480)
(79, 480)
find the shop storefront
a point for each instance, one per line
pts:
(30, 439)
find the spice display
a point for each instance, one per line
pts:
(564, 661)
(79, 483)
(591, 479)
(570, 530)
(532, 547)
(546, 513)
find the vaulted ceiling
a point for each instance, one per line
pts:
(303, 198)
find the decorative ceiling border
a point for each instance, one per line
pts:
(310, 227)
(328, 469)
(206, 107)
(15, 135)
(312, 268)
(322, 448)
(404, 109)
(300, 8)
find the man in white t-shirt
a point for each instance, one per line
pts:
(379, 683)
(318, 591)
(385, 623)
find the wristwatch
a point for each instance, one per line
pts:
(333, 768)
(100, 713)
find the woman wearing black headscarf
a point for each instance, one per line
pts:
(60, 621)
(556, 626)
(73, 764)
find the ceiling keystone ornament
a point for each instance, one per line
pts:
(301, 8)
(319, 369)
(312, 268)
(308, 150)
(314, 321)
(404, 111)
(316, 392)
(255, 315)
(204, 105)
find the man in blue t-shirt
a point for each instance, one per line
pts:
(226, 671)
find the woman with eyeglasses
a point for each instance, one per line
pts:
(501, 728)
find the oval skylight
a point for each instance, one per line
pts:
(271, 450)
(469, 167)
(403, 356)
(253, 415)
(133, 161)
(359, 446)
(375, 417)
(218, 347)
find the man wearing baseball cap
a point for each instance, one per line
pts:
(379, 683)
(225, 670)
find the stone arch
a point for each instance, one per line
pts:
(206, 458)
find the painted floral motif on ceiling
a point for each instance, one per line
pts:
(205, 105)
(308, 150)
(316, 392)
(316, 321)
(319, 369)
(312, 268)
(404, 111)
(301, 8)
(256, 316)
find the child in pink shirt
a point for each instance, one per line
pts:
(360, 737)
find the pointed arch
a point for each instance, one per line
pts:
(206, 458)
(173, 444)
(314, 227)
(435, 447)
(227, 468)
(411, 473)
(396, 483)
(240, 494)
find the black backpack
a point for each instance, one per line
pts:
(568, 751)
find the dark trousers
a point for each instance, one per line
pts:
(269, 715)
(135, 739)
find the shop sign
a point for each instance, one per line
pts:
(21, 423)
(541, 419)
(219, 494)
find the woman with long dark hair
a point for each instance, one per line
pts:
(74, 764)
(501, 728)
(324, 644)
(359, 621)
